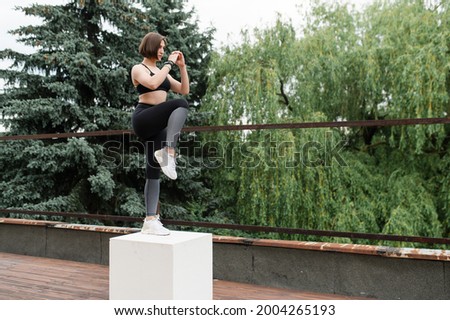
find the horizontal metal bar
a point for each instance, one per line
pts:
(321, 233)
(44, 136)
(329, 124)
(250, 228)
(300, 125)
(100, 217)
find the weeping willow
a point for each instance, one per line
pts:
(390, 61)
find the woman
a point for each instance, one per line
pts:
(158, 121)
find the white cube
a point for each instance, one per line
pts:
(174, 267)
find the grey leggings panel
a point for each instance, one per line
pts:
(151, 194)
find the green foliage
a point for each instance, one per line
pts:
(390, 61)
(78, 80)
(102, 184)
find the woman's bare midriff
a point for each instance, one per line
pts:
(154, 98)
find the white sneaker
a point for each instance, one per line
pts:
(154, 227)
(167, 163)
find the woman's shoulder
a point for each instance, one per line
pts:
(136, 67)
(136, 73)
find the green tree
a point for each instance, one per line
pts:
(78, 80)
(390, 61)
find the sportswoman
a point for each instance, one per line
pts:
(158, 121)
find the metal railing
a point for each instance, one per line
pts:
(249, 228)
(301, 125)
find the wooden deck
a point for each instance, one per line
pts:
(35, 278)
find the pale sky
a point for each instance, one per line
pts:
(228, 16)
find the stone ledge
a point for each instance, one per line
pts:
(383, 251)
(71, 226)
(390, 252)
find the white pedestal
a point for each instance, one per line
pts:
(174, 267)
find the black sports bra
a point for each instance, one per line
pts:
(164, 86)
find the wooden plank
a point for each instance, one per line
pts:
(36, 278)
(226, 290)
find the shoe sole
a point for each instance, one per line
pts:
(155, 234)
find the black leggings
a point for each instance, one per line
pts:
(159, 126)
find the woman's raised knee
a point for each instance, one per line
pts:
(181, 103)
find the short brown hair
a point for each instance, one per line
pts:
(150, 44)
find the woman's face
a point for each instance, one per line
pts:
(162, 46)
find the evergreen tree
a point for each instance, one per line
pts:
(78, 80)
